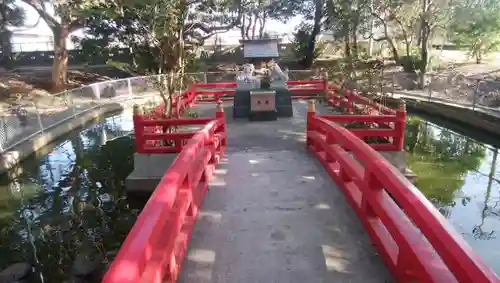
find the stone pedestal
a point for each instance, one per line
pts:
(241, 106)
(284, 102)
(262, 105)
(148, 171)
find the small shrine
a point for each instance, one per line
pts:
(259, 52)
(264, 96)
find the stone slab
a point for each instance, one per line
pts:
(148, 171)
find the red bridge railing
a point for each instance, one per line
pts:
(211, 92)
(389, 123)
(155, 247)
(415, 241)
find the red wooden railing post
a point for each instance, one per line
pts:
(350, 102)
(138, 129)
(399, 127)
(194, 90)
(221, 131)
(311, 112)
(325, 84)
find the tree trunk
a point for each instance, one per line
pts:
(262, 22)
(479, 58)
(311, 45)
(60, 63)
(254, 24)
(242, 27)
(424, 48)
(5, 47)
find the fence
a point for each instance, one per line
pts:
(27, 119)
(379, 126)
(475, 93)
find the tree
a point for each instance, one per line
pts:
(256, 13)
(476, 27)
(69, 16)
(11, 15)
(300, 44)
(162, 35)
(414, 23)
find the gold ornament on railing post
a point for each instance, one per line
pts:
(311, 106)
(402, 106)
(219, 112)
(311, 112)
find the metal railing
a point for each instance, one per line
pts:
(26, 119)
(477, 94)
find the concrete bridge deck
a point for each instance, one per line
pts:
(272, 214)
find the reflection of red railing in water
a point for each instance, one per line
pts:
(415, 241)
(155, 247)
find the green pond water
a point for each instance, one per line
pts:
(64, 211)
(459, 172)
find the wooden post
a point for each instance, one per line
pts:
(399, 126)
(311, 112)
(349, 97)
(138, 129)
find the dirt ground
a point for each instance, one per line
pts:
(30, 84)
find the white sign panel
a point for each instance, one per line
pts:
(260, 49)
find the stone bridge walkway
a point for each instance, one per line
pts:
(272, 214)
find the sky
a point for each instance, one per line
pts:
(38, 38)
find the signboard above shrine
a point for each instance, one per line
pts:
(260, 48)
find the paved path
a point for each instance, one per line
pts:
(272, 214)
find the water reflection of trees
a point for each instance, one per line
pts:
(79, 208)
(441, 159)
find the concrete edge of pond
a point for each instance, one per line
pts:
(457, 113)
(18, 153)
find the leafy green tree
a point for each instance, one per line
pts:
(477, 28)
(69, 16)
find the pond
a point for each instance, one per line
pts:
(64, 212)
(460, 175)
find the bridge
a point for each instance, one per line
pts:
(301, 199)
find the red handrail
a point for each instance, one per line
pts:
(415, 241)
(227, 88)
(154, 248)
